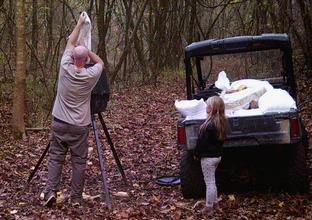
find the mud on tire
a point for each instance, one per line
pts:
(298, 174)
(192, 179)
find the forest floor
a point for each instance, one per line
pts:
(142, 124)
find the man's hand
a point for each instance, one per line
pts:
(82, 19)
(95, 58)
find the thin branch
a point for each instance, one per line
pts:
(40, 65)
(127, 48)
(221, 4)
(38, 129)
(7, 59)
(215, 20)
(70, 9)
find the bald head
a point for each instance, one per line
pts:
(80, 55)
(80, 52)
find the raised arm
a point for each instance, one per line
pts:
(72, 41)
(95, 58)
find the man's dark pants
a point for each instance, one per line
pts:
(65, 136)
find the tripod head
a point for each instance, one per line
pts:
(100, 93)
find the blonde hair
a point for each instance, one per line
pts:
(216, 116)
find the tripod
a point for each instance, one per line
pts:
(99, 152)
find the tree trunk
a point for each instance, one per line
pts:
(34, 41)
(128, 6)
(127, 49)
(191, 33)
(49, 14)
(18, 125)
(90, 7)
(306, 11)
(104, 15)
(157, 51)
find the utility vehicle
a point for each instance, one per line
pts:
(274, 144)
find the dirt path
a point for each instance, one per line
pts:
(142, 125)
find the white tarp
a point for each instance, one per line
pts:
(246, 112)
(243, 92)
(241, 100)
(252, 83)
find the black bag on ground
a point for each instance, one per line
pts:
(100, 93)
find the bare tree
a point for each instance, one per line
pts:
(34, 40)
(49, 16)
(18, 124)
(128, 46)
(306, 37)
(139, 40)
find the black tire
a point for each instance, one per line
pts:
(298, 173)
(305, 140)
(191, 175)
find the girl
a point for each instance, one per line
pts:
(209, 148)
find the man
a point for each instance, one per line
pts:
(72, 115)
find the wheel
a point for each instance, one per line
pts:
(305, 140)
(298, 175)
(192, 179)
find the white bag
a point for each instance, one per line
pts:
(223, 82)
(276, 100)
(84, 37)
(190, 107)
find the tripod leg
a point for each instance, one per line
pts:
(110, 142)
(38, 163)
(101, 161)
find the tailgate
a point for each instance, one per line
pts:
(249, 131)
(258, 130)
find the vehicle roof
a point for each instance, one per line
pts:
(238, 44)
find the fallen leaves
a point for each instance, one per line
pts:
(231, 198)
(13, 212)
(142, 125)
(121, 194)
(280, 204)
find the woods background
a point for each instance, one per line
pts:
(139, 41)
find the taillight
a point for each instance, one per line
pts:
(181, 135)
(294, 127)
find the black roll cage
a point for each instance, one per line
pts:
(239, 44)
